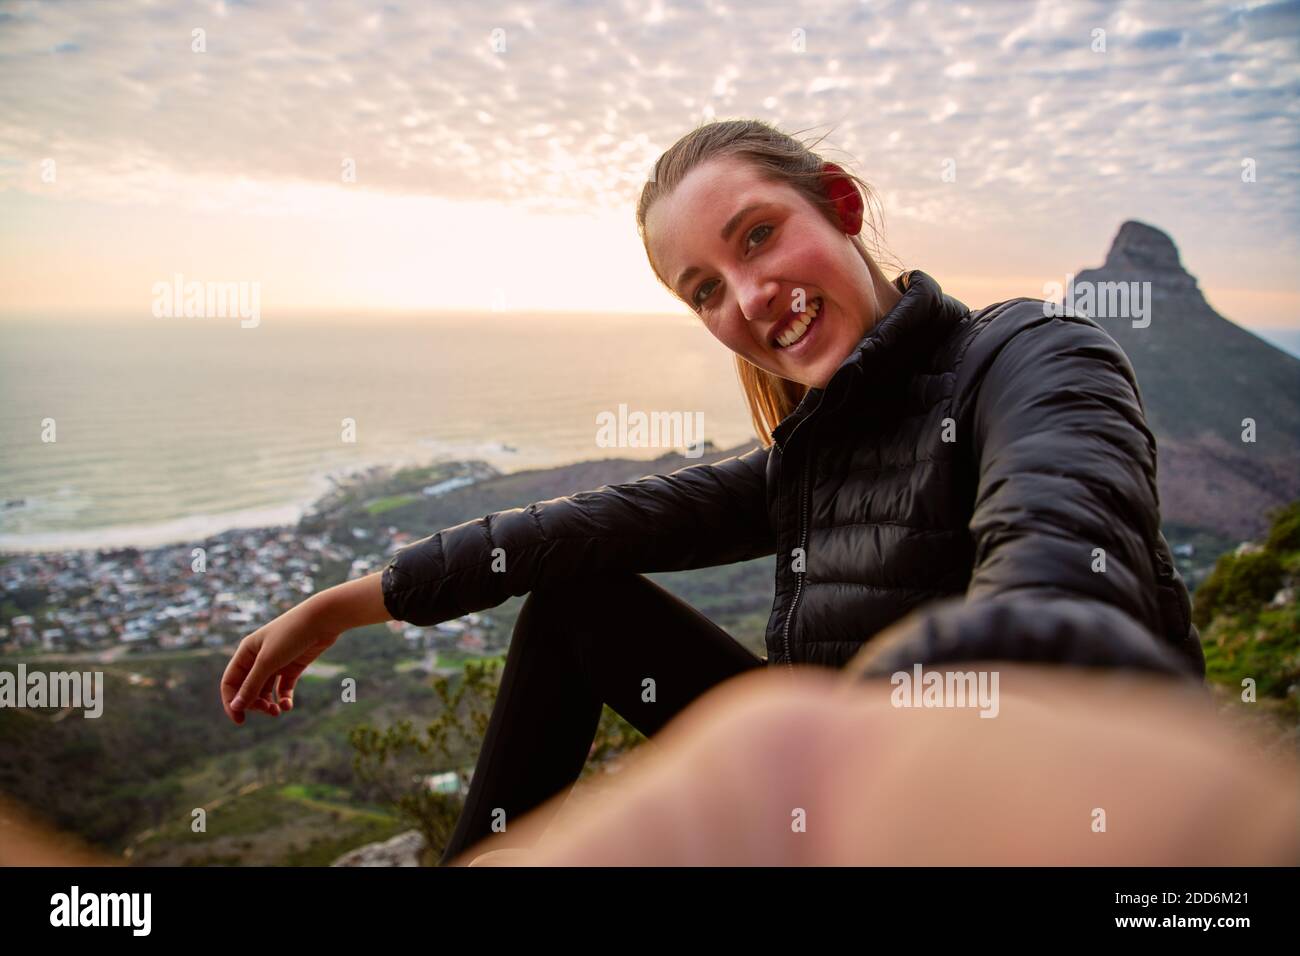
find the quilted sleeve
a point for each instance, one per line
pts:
(1065, 518)
(698, 516)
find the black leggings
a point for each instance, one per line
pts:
(574, 648)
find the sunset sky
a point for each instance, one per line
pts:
(501, 168)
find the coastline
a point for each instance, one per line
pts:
(196, 528)
(199, 527)
(176, 531)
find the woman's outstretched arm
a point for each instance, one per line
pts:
(1066, 518)
(355, 603)
(1080, 768)
(696, 517)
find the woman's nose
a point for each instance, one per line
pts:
(756, 300)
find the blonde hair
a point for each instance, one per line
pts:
(779, 157)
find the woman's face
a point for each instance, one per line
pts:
(757, 262)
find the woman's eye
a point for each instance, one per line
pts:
(758, 229)
(701, 294)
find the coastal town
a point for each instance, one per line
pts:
(186, 596)
(211, 593)
(205, 594)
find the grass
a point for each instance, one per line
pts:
(328, 797)
(458, 658)
(296, 824)
(380, 505)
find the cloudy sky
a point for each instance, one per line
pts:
(498, 148)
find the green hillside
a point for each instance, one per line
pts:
(1249, 621)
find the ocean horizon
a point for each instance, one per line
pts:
(172, 430)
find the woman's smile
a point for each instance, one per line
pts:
(793, 335)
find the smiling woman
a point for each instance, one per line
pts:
(787, 283)
(938, 485)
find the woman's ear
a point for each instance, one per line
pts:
(844, 194)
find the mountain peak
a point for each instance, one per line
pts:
(1141, 248)
(1200, 376)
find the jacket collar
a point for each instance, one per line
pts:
(899, 343)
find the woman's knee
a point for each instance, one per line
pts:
(572, 610)
(572, 598)
(562, 601)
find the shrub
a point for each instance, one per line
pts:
(1238, 583)
(1284, 535)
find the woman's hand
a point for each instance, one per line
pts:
(1179, 784)
(265, 669)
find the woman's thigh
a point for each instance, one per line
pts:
(643, 651)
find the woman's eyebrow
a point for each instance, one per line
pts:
(727, 230)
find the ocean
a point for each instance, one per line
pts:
(165, 430)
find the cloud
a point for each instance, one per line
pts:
(562, 106)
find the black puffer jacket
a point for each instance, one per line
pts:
(968, 486)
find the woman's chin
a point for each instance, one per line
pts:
(816, 363)
(816, 373)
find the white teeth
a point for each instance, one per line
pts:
(794, 333)
(800, 326)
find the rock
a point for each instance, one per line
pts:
(405, 849)
(1145, 250)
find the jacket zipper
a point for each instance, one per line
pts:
(803, 541)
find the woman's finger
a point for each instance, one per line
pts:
(273, 696)
(233, 679)
(288, 681)
(256, 683)
(266, 697)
